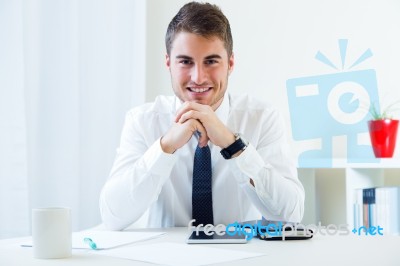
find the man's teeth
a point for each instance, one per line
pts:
(199, 89)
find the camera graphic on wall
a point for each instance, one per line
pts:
(325, 106)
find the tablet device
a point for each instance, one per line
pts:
(287, 231)
(288, 234)
(199, 237)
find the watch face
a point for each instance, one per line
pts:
(241, 144)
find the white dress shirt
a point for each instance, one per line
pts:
(143, 177)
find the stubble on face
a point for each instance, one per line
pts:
(214, 103)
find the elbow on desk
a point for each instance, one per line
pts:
(295, 206)
(297, 212)
(287, 208)
(297, 215)
(109, 220)
(293, 210)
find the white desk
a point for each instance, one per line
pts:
(320, 250)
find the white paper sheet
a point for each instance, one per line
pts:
(108, 239)
(177, 254)
(111, 239)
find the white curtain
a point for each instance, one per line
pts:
(69, 71)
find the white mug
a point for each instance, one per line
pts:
(51, 233)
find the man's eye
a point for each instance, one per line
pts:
(211, 61)
(185, 62)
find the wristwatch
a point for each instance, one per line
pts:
(240, 144)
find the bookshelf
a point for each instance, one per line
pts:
(330, 191)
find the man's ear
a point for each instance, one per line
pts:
(231, 63)
(167, 61)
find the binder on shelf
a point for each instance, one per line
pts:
(378, 206)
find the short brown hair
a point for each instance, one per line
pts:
(202, 19)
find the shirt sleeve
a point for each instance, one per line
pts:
(277, 193)
(136, 179)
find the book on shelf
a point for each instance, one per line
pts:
(377, 206)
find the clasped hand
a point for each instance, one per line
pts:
(193, 117)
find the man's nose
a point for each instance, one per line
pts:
(199, 74)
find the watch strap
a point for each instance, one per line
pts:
(232, 149)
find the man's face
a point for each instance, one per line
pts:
(199, 68)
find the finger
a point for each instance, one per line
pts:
(188, 106)
(191, 115)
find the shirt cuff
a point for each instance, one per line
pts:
(250, 164)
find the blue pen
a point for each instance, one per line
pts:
(90, 242)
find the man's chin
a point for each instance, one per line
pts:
(213, 103)
(203, 102)
(210, 101)
(198, 100)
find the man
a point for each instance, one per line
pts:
(249, 174)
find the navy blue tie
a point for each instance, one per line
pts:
(202, 209)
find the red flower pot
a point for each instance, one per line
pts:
(383, 135)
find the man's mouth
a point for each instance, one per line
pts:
(199, 90)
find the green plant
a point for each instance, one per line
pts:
(383, 113)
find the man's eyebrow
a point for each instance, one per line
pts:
(213, 56)
(183, 57)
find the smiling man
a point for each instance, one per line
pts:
(202, 154)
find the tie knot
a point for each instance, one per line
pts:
(202, 149)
